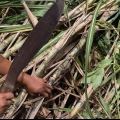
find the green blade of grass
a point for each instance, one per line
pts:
(88, 49)
(17, 28)
(106, 107)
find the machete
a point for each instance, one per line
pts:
(34, 42)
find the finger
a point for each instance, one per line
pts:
(32, 94)
(49, 86)
(45, 81)
(48, 90)
(3, 109)
(9, 95)
(8, 103)
(45, 94)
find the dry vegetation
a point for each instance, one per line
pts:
(81, 60)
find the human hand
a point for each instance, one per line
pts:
(36, 85)
(5, 101)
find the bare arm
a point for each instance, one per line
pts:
(33, 84)
(4, 67)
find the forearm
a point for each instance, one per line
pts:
(4, 65)
(4, 68)
(32, 83)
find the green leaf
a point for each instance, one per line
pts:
(88, 49)
(109, 78)
(99, 77)
(84, 114)
(98, 73)
(104, 63)
(16, 28)
(95, 78)
(105, 106)
(89, 79)
(119, 81)
(117, 56)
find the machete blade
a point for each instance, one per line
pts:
(36, 39)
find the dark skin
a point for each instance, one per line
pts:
(33, 84)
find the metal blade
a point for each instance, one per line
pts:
(36, 39)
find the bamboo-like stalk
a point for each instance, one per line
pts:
(64, 52)
(108, 3)
(43, 51)
(78, 25)
(108, 99)
(4, 15)
(51, 42)
(42, 55)
(80, 103)
(19, 39)
(16, 47)
(66, 98)
(63, 104)
(2, 36)
(25, 22)
(111, 50)
(37, 60)
(60, 44)
(6, 42)
(66, 64)
(31, 16)
(62, 69)
(21, 98)
(76, 109)
(110, 11)
(77, 10)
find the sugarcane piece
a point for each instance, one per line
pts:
(31, 16)
(58, 73)
(78, 25)
(104, 10)
(77, 10)
(39, 58)
(76, 109)
(60, 44)
(6, 42)
(25, 22)
(16, 47)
